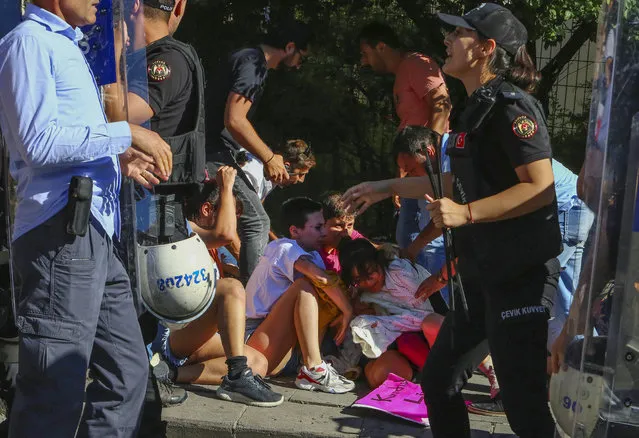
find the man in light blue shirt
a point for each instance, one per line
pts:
(74, 307)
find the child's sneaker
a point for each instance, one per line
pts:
(249, 389)
(323, 377)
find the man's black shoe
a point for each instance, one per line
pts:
(492, 408)
(250, 390)
(170, 394)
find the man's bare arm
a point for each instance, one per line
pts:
(440, 110)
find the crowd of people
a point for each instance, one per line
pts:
(310, 304)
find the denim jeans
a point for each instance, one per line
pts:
(253, 225)
(433, 258)
(575, 225)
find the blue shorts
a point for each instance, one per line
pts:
(161, 346)
(294, 363)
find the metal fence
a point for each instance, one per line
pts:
(571, 93)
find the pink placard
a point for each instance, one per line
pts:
(397, 397)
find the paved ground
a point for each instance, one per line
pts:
(305, 414)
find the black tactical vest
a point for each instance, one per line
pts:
(496, 251)
(189, 150)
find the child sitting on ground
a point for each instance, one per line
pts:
(390, 303)
(291, 299)
(211, 349)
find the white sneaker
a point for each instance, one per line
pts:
(324, 378)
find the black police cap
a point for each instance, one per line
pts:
(493, 22)
(163, 5)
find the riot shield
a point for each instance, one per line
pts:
(106, 46)
(10, 16)
(164, 257)
(596, 394)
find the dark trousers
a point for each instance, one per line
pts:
(253, 225)
(510, 321)
(75, 311)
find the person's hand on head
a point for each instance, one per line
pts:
(152, 144)
(139, 166)
(225, 177)
(276, 170)
(359, 198)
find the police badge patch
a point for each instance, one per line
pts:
(159, 70)
(524, 127)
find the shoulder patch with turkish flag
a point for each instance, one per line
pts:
(159, 70)
(460, 142)
(524, 127)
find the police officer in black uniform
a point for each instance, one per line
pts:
(166, 90)
(503, 214)
(173, 102)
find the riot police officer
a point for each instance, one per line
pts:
(175, 109)
(165, 89)
(503, 213)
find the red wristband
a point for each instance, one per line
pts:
(470, 214)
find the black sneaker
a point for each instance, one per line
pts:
(492, 408)
(250, 390)
(170, 394)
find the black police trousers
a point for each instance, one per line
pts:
(508, 319)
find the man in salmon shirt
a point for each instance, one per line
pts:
(420, 93)
(421, 99)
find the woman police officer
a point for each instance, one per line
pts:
(503, 214)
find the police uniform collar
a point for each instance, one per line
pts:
(52, 22)
(489, 89)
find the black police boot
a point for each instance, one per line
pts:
(170, 394)
(492, 408)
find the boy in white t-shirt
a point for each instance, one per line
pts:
(286, 298)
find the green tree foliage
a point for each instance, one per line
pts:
(346, 112)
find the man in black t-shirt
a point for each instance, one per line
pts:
(233, 98)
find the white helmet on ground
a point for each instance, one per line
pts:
(575, 397)
(177, 280)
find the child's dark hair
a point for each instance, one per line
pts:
(298, 153)
(415, 140)
(293, 31)
(376, 32)
(333, 207)
(361, 255)
(208, 192)
(519, 69)
(295, 212)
